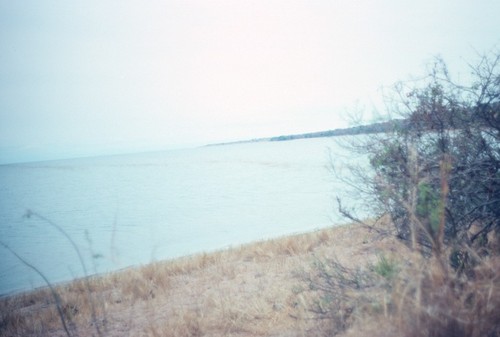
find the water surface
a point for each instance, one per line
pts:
(132, 209)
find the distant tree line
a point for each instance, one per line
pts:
(356, 130)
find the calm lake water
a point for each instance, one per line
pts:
(133, 209)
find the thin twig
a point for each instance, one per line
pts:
(57, 299)
(30, 213)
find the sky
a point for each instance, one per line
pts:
(92, 77)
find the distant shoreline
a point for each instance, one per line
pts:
(356, 130)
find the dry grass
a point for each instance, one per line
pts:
(403, 293)
(426, 299)
(265, 289)
(245, 291)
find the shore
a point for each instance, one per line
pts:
(258, 289)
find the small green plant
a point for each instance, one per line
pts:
(386, 267)
(428, 205)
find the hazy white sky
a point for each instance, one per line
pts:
(92, 77)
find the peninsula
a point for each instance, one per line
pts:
(356, 130)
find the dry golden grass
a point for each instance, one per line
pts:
(428, 298)
(259, 289)
(403, 293)
(244, 291)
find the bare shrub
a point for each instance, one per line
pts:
(436, 168)
(436, 173)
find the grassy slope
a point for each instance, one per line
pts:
(251, 290)
(264, 289)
